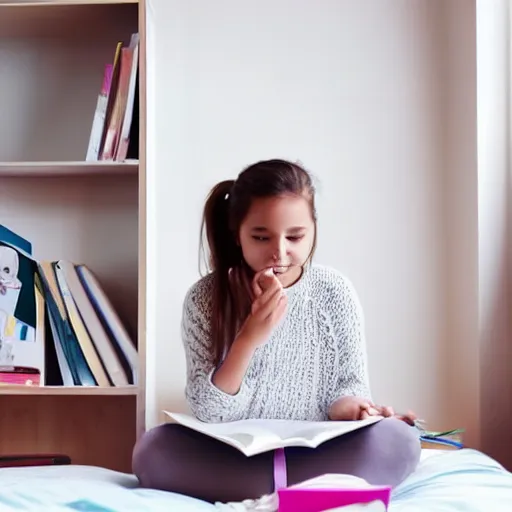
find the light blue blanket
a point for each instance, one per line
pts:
(458, 481)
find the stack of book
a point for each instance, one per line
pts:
(57, 326)
(115, 126)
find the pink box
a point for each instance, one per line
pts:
(329, 492)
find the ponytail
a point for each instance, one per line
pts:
(229, 294)
(221, 239)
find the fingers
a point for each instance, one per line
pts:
(357, 408)
(408, 418)
(256, 288)
(411, 416)
(267, 308)
(365, 406)
(352, 408)
(268, 294)
(387, 411)
(382, 410)
(368, 409)
(264, 279)
(364, 415)
(353, 412)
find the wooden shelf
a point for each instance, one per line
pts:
(92, 430)
(69, 20)
(22, 169)
(68, 390)
(56, 3)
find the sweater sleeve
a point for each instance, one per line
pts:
(207, 402)
(349, 337)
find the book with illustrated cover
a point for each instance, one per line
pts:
(57, 325)
(22, 313)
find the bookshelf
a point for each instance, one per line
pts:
(68, 390)
(35, 169)
(52, 57)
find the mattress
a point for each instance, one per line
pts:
(462, 481)
(448, 481)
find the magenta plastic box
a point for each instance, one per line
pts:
(329, 492)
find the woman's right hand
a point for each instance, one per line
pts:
(268, 309)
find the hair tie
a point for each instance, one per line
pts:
(230, 193)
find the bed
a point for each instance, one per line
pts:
(445, 481)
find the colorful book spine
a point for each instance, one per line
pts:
(98, 123)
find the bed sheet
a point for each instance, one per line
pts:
(455, 481)
(462, 481)
(85, 489)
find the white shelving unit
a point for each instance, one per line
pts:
(52, 57)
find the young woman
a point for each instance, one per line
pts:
(268, 334)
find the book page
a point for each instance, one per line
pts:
(239, 434)
(260, 435)
(314, 432)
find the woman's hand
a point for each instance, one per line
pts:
(350, 408)
(268, 309)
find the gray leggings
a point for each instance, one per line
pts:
(173, 458)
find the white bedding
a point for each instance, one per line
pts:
(462, 481)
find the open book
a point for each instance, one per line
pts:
(257, 436)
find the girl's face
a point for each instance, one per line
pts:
(278, 233)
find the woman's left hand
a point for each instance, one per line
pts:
(388, 412)
(350, 408)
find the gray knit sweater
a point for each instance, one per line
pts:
(315, 355)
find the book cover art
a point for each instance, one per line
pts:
(17, 298)
(10, 237)
(20, 311)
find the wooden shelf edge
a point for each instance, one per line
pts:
(40, 3)
(78, 168)
(68, 390)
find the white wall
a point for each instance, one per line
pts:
(354, 90)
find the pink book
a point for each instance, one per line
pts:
(93, 150)
(328, 492)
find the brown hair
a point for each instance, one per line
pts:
(226, 207)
